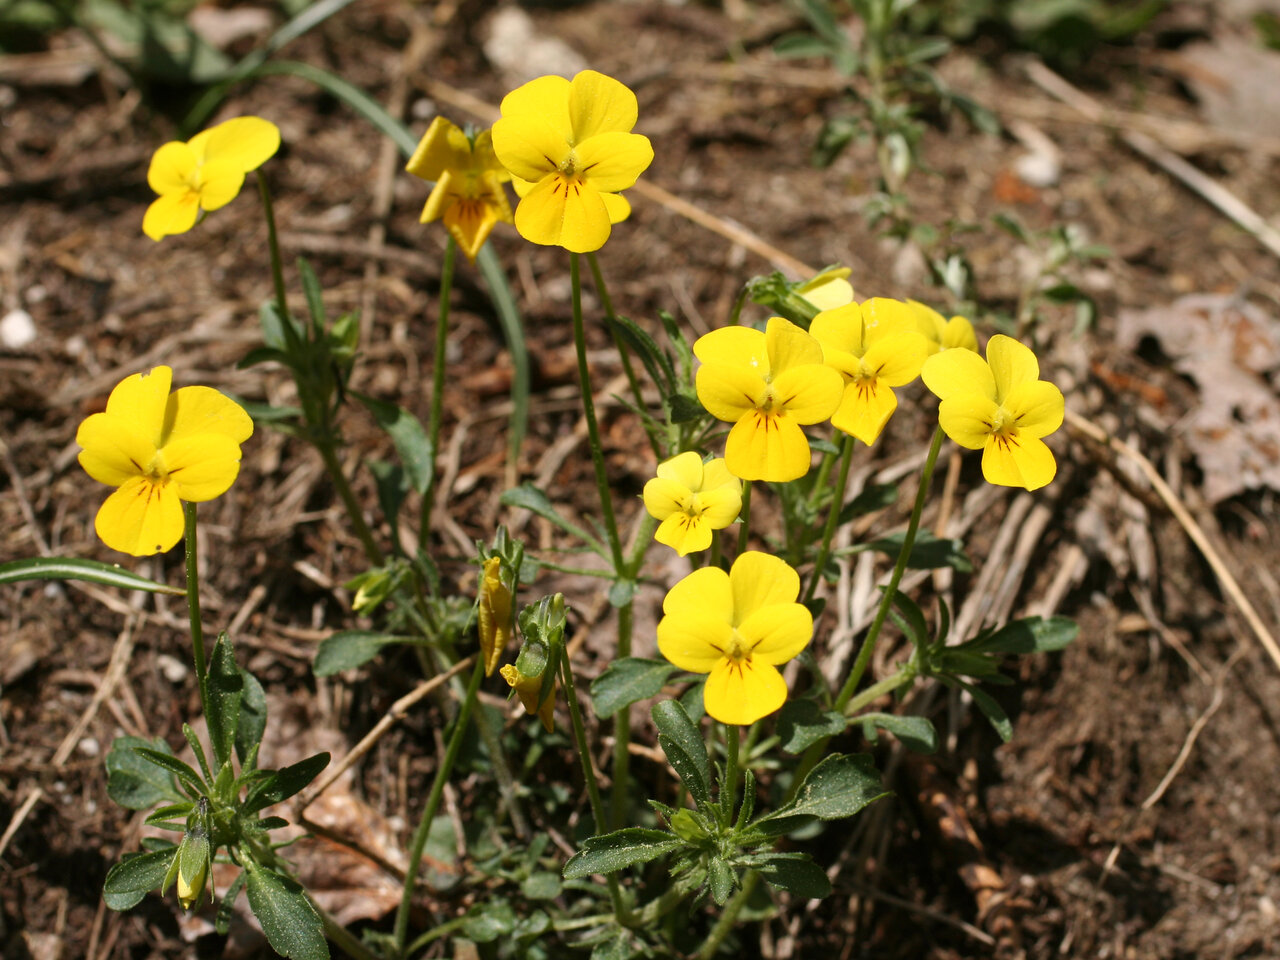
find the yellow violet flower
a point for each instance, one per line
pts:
(943, 334)
(875, 346)
(766, 385)
(159, 449)
(205, 173)
(999, 406)
(570, 150)
(692, 499)
(737, 627)
(468, 192)
(527, 689)
(495, 614)
(829, 289)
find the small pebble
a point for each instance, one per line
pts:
(173, 669)
(90, 747)
(17, 329)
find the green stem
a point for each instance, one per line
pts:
(878, 690)
(833, 516)
(437, 387)
(619, 799)
(735, 315)
(419, 842)
(273, 244)
(728, 917)
(589, 774)
(715, 549)
(729, 788)
(330, 457)
(193, 602)
(343, 938)
(435, 933)
(744, 530)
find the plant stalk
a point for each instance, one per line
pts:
(190, 552)
(437, 387)
(833, 516)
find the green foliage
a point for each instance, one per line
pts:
(292, 926)
(627, 680)
(91, 571)
(348, 649)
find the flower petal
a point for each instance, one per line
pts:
(883, 315)
(442, 147)
(600, 104)
(529, 146)
(767, 446)
(761, 580)
(685, 469)
(1018, 462)
(829, 289)
(959, 335)
(967, 418)
(930, 323)
(141, 518)
(470, 221)
(734, 346)
(865, 409)
(1012, 364)
(202, 467)
(619, 207)
(840, 330)
(777, 632)
(715, 475)
(809, 393)
(220, 183)
(170, 214)
(173, 168)
(612, 161)
(444, 195)
(1037, 408)
(788, 346)
(140, 401)
(193, 411)
(705, 592)
(547, 98)
(743, 692)
(719, 506)
(244, 143)
(730, 392)
(664, 497)
(896, 359)
(114, 452)
(560, 212)
(694, 641)
(684, 533)
(958, 371)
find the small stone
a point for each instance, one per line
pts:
(89, 746)
(173, 669)
(17, 329)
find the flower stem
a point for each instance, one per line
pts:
(193, 601)
(744, 530)
(329, 454)
(437, 386)
(344, 938)
(273, 244)
(619, 798)
(878, 690)
(729, 788)
(833, 516)
(419, 842)
(715, 549)
(728, 917)
(589, 773)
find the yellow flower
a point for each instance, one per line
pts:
(766, 385)
(570, 150)
(159, 449)
(829, 289)
(527, 689)
(737, 627)
(495, 614)
(205, 173)
(875, 346)
(692, 499)
(1001, 407)
(468, 179)
(941, 333)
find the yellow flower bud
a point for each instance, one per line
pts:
(495, 614)
(527, 689)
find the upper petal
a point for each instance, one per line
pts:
(929, 322)
(244, 143)
(729, 392)
(840, 330)
(547, 98)
(789, 346)
(706, 592)
(1018, 462)
(761, 580)
(600, 104)
(743, 692)
(884, 315)
(619, 207)
(1037, 408)
(1012, 364)
(140, 402)
(191, 411)
(685, 469)
(896, 359)
(441, 148)
(829, 289)
(736, 346)
(141, 518)
(613, 161)
(694, 641)
(958, 335)
(767, 446)
(958, 371)
(202, 467)
(529, 146)
(220, 183)
(777, 632)
(715, 475)
(172, 169)
(809, 393)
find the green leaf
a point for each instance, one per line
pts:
(721, 880)
(315, 295)
(803, 723)
(68, 568)
(410, 439)
(292, 926)
(348, 649)
(627, 680)
(681, 741)
(911, 619)
(284, 783)
(535, 501)
(643, 346)
(916, 733)
(165, 759)
(135, 876)
(135, 782)
(541, 886)
(795, 873)
(875, 497)
(1029, 635)
(225, 688)
(682, 408)
(991, 710)
(227, 904)
(617, 947)
(928, 552)
(253, 716)
(839, 786)
(622, 848)
(489, 921)
(393, 486)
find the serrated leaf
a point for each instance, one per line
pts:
(621, 592)
(916, 733)
(68, 568)
(223, 708)
(721, 880)
(803, 723)
(135, 876)
(410, 439)
(292, 926)
(616, 947)
(284, 783)
(135, 782)
(681, 741)
(875, 497)
(348, 649)
(682, 408)
(627, 680)
(622, 848)
(643, 346)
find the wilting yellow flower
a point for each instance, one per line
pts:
(829, 289)
(468, 192)
(205, 173)
(159, 449)
(943, 334)
(766, 385)
(1001, 407)
(692, 499)
(495, 614)
(527, 689)
(875, 347)
(570, 150)
(737, 627)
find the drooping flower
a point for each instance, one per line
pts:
(159, 448)
(1001, 407)
(205, 173)
(829, 289)
(570, 150)
(875, 346)
(468, 178)
(692, 499)
(766, 385)
(941, 333)
(494, 614)
(738, 627)
(527, 689)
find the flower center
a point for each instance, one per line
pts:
(156, 471)
(738, 651)
(569, 167)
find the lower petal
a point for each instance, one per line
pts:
(586, 219)
(619, 207)
(170, 214)
(470, 222)
(865, 409)
(1018, 462)
(744, 691)
(683, 533)
(141, 518)
(765, 446)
